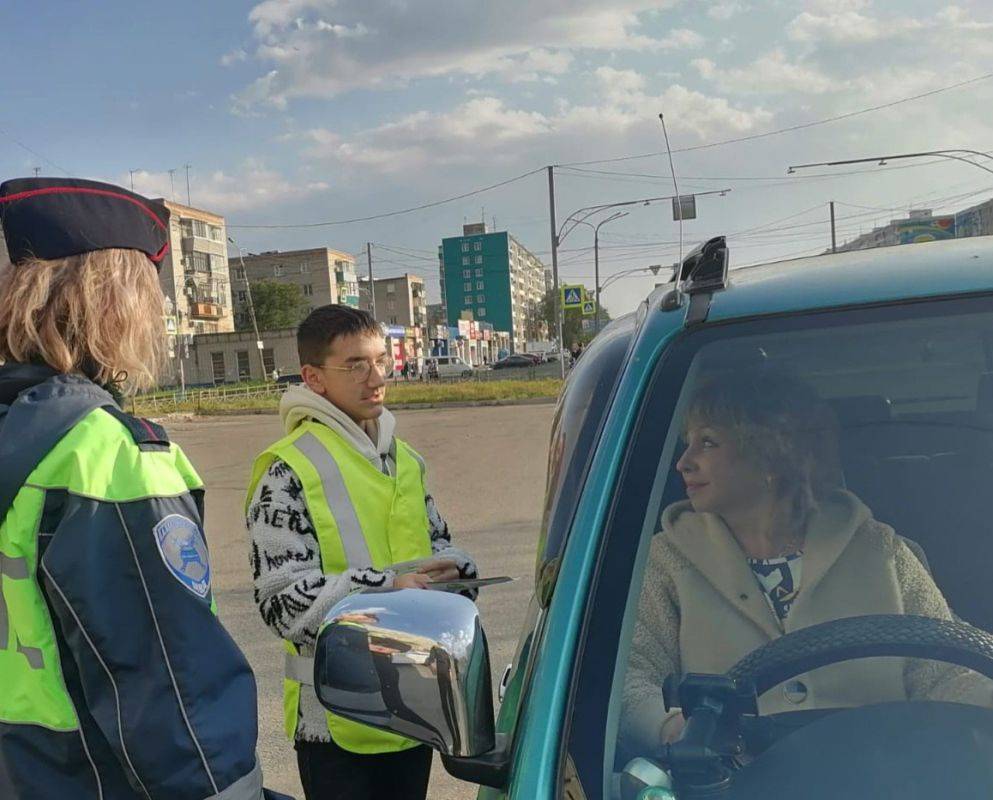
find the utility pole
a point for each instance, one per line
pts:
(251, 309)
(834, 244)
(172, 184)
(132, 171)
(372, 284)
(36, 171)
(555, 266)
(189, 202)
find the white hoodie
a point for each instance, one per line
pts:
(292, 590)
(372, 438)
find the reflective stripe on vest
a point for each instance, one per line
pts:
(299, 668)
(362, 518)
(333, 484)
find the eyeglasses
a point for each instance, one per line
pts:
(361, 370)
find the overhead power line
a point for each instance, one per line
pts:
(789, 129)
(398, 212)
(33, 152)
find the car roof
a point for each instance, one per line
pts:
(930, 269)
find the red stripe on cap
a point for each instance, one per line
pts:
(82, 190)
(159, 255)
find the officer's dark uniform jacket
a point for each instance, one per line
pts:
(117, 681)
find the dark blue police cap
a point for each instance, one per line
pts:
(50, 218)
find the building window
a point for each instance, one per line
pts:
(200, 228)
(217, 366)
(308, 290)
(465, 260)
(481, 311)
(243, 370)
(268, 360)
(198, 262)
(239, 273)
(277, 271)
(467, 300)
(479, 259)
(465, 247)
(242, 297)
(215, 233)
(467, 286)
(305, 268)
(391, 288)
(477, 246)
(480, 298)
(479, 272)
(480, 285)
(391, 306)
(467, 273)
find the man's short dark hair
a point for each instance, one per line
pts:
(323, 325)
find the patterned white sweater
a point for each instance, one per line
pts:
(292, 590)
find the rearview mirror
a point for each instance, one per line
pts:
(410, 661)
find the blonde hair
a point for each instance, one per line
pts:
(778, 423)
(98, 314)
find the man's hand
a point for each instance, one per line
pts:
(411, 580)
(440, 569)
(672, 728)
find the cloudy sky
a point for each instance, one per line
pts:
(296, 112)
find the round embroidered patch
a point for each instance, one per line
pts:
(184, 551)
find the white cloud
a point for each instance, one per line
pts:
(771, 73)
(725, 9)
(253, 185)
(321, 48)
(681, 39)
(852, 22)
(233, 57)
(486, 127)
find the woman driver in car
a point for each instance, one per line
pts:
(766, 544)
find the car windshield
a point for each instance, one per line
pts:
(806, 469)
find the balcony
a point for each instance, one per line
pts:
(206, 310)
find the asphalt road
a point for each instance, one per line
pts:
(486, 468)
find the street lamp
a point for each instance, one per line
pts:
(596, 261)
(654, 269)
(881, 160)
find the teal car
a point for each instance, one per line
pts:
(897, 343)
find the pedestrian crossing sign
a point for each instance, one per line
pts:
(589, 308)
(572, 296)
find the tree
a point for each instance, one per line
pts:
(572, 320)
(277, 305)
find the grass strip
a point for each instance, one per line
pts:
(396, 395)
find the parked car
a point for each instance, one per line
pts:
(289, 379)
(514, 361)
(537, 358)
(896, 345)
(447, 367)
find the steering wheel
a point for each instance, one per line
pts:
(844, 640)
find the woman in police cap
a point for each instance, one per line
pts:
(117, 679)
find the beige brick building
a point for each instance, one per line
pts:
(194, 274)
(399, 301)
(323, 275)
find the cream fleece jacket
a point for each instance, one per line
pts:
(701, 610)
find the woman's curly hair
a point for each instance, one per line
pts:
(780, 424)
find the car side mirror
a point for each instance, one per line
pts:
(413, 662)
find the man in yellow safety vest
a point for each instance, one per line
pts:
(330, 507)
